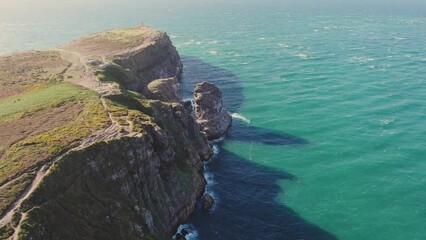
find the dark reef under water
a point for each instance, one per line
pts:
(245, 192)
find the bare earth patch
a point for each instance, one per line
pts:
(21, 72)
(99, 45)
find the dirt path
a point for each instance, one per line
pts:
(105, 134)
(78, 73)
(81, 73)
(7, 218)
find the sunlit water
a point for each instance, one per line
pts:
(330, 138)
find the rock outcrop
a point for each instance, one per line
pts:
(181, 235)
(129, 167)
(127, 188)
(157, 58)
(164, 90)
(210, 112)
(132, 56)
(208, 202)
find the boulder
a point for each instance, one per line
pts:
(184, 232)
(208, 202)
(209, 110)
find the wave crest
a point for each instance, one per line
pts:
(241, 117)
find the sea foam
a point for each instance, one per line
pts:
(241, 117)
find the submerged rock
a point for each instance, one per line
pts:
(184, 232)
(208, 202)
(210, 112)
(180, 237)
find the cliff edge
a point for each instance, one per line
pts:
(96, 142)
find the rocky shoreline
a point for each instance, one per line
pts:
(139, 174)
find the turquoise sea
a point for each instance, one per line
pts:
(330, 142)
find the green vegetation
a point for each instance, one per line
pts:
(23, 157)
(62, 201)
(37, 149)
(113, 73)
(54, 95)
(130, 109)
(110, 182)
(11, 190)
(6, 232)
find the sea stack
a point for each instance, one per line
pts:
(210, 112)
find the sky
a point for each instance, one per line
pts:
(10, 7)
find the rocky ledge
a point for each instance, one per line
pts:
(210, 112)
(115, 154)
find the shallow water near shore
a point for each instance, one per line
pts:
(334, 145)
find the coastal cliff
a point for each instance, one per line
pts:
(97, 142)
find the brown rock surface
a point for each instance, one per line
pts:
(208, 202)
(210, 112)
(98, 161)
(166, 90)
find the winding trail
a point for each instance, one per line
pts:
(87, 79)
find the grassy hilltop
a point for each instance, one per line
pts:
(41, 115)
(59, 108)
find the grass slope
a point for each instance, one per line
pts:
(46, 118)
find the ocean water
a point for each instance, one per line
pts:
(329, 140)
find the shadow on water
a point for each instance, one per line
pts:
(196, 71)
(246, 206)
(245, 193)
(243, 132)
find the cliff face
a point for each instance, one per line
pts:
(134, 57)
(126, 188)
(155, 61)
(136, 175)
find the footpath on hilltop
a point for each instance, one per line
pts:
(95, 141)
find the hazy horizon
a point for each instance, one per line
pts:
(419, 6)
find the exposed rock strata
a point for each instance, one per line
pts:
(210, 112)
(164, 90)
(157, 59)
(126, 188)
(139, 177)
(134, 57)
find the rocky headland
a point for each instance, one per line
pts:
(96, 141)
